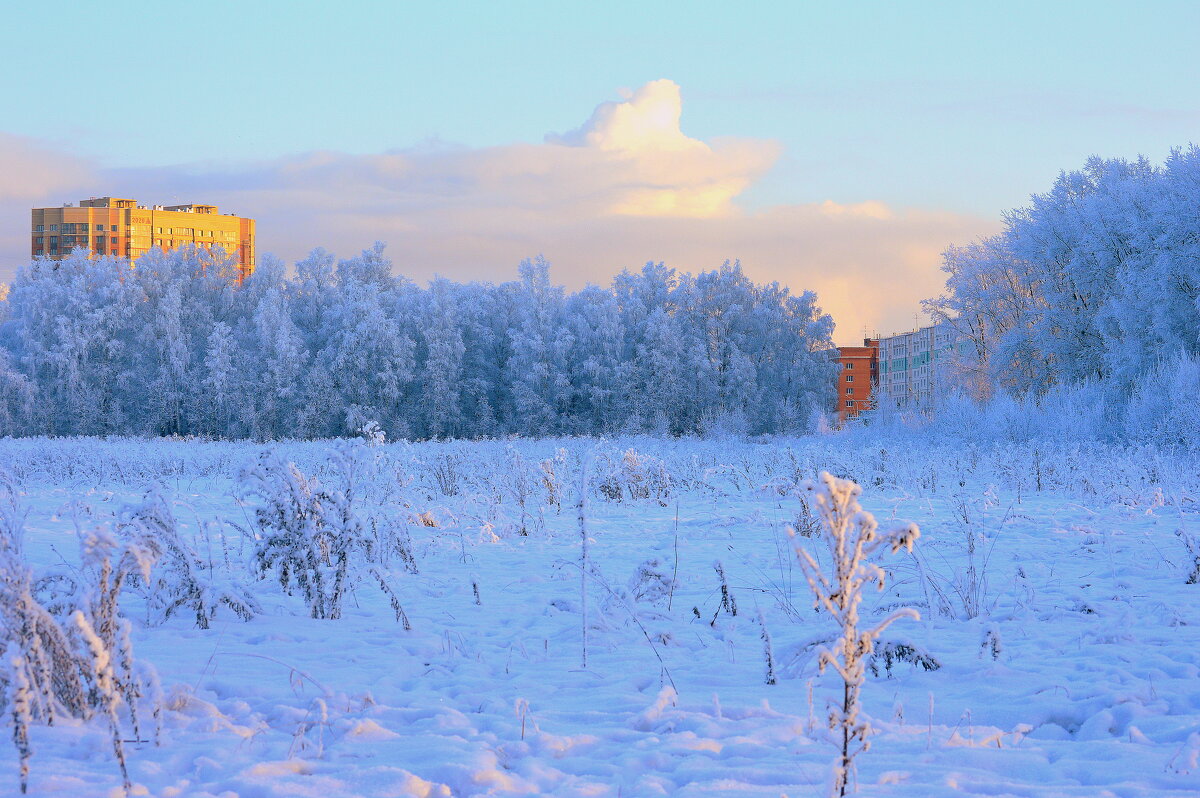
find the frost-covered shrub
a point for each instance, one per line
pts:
(77, 663)
(806, 524)
(1192, 566)
(447, 472)
(891, 652)
(644, 594)
(1162, 409)
(553, 469)
(728, 602)
(634, 476)
(314, 537)
(768, 652)
(520, 481)
(852, 536)
(181, 580)
(652, 582)
(971, 585)
(964, 592)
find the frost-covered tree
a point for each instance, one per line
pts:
(1097, 280)
(221, 384)
(282, 361)
(180, 344)
(442, 363)
(537, 373)
(599, 376)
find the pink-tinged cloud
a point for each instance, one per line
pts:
(33, 175)
(626, 187)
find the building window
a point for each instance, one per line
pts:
(849, 391)
(54, 228)
(41, 228)
(849, 403)
(849, 378)
(849, 365)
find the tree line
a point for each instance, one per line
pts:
(178, 345)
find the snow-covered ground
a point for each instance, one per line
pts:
(1078, 674)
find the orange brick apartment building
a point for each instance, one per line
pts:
(860, 370)
(122, 228)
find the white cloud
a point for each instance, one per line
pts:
(626, 187)
(646, 120)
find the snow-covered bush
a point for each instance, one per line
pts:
(181, 579)
(971, 585)
(521, 482)
(852, 536)
(553, 469)
(644, 595)
(887, 655)
(1192, 565)
(315, 537)
(78, 663)
(634, 476)
(652, 582)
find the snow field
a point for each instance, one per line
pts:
(1078, 676)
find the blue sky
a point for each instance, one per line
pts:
(955, 110)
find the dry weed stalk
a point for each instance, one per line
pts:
(852, 536)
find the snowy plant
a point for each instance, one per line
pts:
(446, 472)
(886, 656)
(371, 434)
(77, 664)
(852, 537)
(971, 585)
(768, 651)
(728, 602)
(636, 476)
(584, 558)
(181, 579)
(990, 641)
(315, 537)
(1193, 549)
(552, 471)
(652, 582)
(643, 595)
(520, 484)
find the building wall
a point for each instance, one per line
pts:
(913, 366)
(122, 228)
(856, 379)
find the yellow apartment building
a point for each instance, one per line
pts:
(122, 228)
